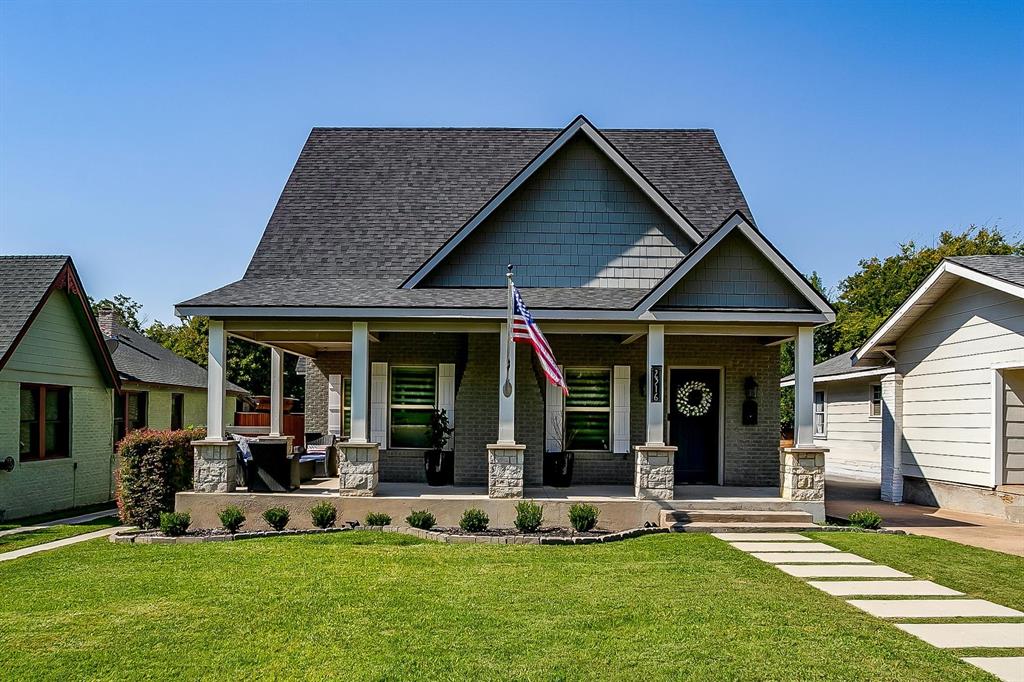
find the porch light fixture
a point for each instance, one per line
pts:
(7, 464)
(749, 410)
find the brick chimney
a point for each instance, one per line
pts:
(107, 318)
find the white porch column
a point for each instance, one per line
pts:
(892, 438)
(655, 387)
(506, 403)
(804, 388)
(276, 391)
(360, 383)
(215, 380)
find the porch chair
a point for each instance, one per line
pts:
(271, 468)
(321, 457)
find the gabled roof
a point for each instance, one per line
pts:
(841, 367)
(140, 359)
(738, 222)
(25, 284)
(1003, 273)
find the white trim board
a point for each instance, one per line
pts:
(736, 222)
(880, 371)
(579, 125)
(910, 310)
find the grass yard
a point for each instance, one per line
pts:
(29, 538)
(365, 605)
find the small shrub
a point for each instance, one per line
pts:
(474, 521)
(378, 519)
(276, 517)
(174, 523)
(865, 518)
(323, 515)
(232, 519)
(421, 519)
(583, 517)
(529, 516)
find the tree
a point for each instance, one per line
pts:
(125, 307)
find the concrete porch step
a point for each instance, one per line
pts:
(669, 517)
(740, 527)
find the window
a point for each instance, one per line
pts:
(45, 422)
(413, 397)
(588, 409)
(819, 414)
(876, 401)
(346, 407)
(177, 411)
(130, 413)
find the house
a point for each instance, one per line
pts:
(932, 405)
(57, 381)
(160, 389)
(384, 265)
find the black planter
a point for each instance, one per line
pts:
(558, 469)
(439, 467)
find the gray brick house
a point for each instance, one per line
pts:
(384, 266)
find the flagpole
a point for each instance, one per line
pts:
(509, 346)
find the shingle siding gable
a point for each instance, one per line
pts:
(578, 222)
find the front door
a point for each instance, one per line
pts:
(693, 423)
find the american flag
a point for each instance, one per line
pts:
(525, 330)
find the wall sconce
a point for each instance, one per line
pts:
(749, 411)
(7, 464)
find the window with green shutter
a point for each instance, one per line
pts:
(588, 409)
(413, 397)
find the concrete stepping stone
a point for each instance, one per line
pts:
(809, 558)
(761, 537)
(1006, 668)
(933, 608)
(967, 635)
(903, 588)
(783, 547)
(842, 571)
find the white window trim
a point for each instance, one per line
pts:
(871, 403)
(393, 406)
(823, 434)
(609, 410)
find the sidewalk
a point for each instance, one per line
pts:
(844, 495)
(70, 521)
(56, 544)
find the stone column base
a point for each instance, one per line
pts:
(215, 466)
(505, 470)
(358, 469)
(802, 474)
(655, 472)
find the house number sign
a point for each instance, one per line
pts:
(655, 383)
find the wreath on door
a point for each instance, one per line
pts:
(693, 399)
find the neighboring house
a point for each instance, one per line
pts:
(847, 412)
(938, 393)
(161, 390)
(56, 386)
(384, 265)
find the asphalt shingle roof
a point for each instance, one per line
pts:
(138, 358)
(23, 281)
(365, 207)
(840, 364)
(1009, 268)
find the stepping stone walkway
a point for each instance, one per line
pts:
(802, 557)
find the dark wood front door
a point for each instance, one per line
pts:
(693, 423)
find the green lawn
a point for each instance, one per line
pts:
(55, 515)
(366, 605)
(48, 534)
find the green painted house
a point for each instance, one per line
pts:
(71, 386)
(57, 382)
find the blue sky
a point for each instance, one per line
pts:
(150, 141)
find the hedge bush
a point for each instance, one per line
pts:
(583, 517)
(174, 523)
(323, 515)
(276, 517)
(474, 520)
(231, 518)
(154, 465)
(529, 516)
(378, 519)
(865, 518)
(421, 519)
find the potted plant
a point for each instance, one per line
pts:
(437, 461)
(558, 464)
